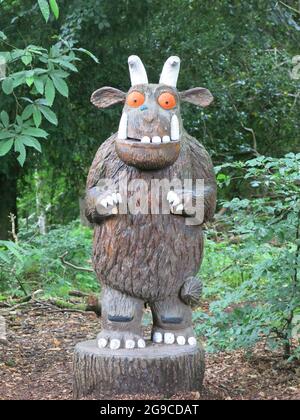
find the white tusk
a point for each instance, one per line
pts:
(166, 139)
(122, 133)
(170, 72)
(175, 135)
(145, 139)
(137, 71)
(156, 139)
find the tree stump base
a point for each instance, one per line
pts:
(157, 369)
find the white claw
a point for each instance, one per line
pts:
(104, 202)
(114, 210)
(179, 208)
(166, 139)
(115, 344)
(119, 197)
(157, 337)
(141, 343)
(181, 340)
(192, 341)
(110, 200)
(114, 197)
(122, 133)
(129, 344)
(175, 135)
(169, 338)
(102, 342)
(172, 196)
(146, 139)
(156, 139)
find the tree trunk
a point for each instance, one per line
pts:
(8, 203)
(161, 370)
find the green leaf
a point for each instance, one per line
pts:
(45, 9)
(50, 92)
(29, 81)
(3, 36)
(5, 146)
(20, 148)
(4, 118)
(27, 58)
(35, 132)
(37, 117)
(31, 142)
(54, 8)
(4, 134)
(28, 111)
(39, 85)
(48, 114)
(7, 86)
(61, 86)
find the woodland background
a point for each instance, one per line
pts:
(248, 54)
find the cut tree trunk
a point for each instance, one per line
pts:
(8, 204)
(158, 369)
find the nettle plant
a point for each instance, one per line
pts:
(257, 289)
(32, 78)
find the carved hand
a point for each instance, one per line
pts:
(102, 204)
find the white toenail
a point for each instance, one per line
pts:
(115, 344)
(157, 337)
(169, 338)
(192, 341)
(181, 340)
(102, 342)
(141, 343)
(129, 344)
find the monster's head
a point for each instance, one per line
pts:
(150, 130)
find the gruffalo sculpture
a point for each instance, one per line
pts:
(148, 258)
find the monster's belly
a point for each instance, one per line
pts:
(147, 256)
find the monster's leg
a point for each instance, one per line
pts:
(172, 322)
(121, 320)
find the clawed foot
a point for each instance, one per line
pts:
(117, 340)
(181, 337)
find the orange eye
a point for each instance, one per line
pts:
(167, 100)
(135, 99)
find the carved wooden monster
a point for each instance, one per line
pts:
(148, 258)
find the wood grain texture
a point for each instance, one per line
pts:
(149, 256)
(155, 370)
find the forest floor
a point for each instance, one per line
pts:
(36, 364)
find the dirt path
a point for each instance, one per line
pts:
(37, 363)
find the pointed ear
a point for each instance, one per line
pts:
(107, 96)
(197, 96)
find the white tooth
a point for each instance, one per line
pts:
(102, 342)
(192, 341)
(175, 128)
(141, 343)
(122, 133)
(129, 344)
(181, 340)
(146, 139)
(156, 139)
(171, 196)
(166, 139)
(110, 200)
(169, 338)
(115, 344)
(104, 202)
(157, 337)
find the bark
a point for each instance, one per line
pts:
(8, 204)
(156, 370)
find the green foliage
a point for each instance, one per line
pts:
(253, 269)
(34, 262)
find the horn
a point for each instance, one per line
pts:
(170, 72)
(137, 71)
